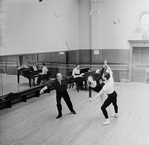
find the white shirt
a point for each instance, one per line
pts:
(97, 71)
(44, 70)
(75, 71)
(109, 84)
(111, 74)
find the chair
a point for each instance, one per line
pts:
(72, 83)
(147, 76)
(47, 77)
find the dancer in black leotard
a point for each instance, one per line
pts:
(95, 83)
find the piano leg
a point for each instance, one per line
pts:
(30, 82)
(77, 86)
(33, 81)
(18, 76)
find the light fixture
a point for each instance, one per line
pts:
(115, 21)
(40, 0)
(91, 12)
(98, 13)
(94, 11)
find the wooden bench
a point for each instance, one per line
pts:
(12, 98)
(34, 91)
(5, 100)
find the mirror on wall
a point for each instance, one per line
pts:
(20, 72)
(143, 21)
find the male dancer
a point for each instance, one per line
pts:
(60, 85)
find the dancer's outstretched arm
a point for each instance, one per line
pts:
(101, 92)
(77, 76)
(109, 69)
(43, 89)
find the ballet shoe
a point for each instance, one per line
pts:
(107, 122)
(73, 112)
(115, 115)
(59, 116)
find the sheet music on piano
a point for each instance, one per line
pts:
(35, 68)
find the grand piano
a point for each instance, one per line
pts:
(28, 72)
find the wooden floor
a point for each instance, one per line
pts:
(8, 83)
(35, 123)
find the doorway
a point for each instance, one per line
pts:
(140, 63)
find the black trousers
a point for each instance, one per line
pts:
(66, 98)
(112, 98)
(40, 77)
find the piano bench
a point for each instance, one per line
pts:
(30, 92)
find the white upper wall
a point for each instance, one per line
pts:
(29, 26)
(84, 23)
(116, 36)
(106, 34)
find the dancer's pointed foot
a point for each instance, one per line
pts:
(59, 116)
(115, 115)
(73, 112)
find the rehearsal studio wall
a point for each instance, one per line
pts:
(115, 36)
(90, 39)
(112, 38)
(29, 26)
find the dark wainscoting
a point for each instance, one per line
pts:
(71, 57)
(44, 57)
(58, 61)
(96, 58)
(116, 56)
(85, 56)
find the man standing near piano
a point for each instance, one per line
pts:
(76, 73)
(43, 74)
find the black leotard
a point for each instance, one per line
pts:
(98, 86)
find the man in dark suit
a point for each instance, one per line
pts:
(60, 85)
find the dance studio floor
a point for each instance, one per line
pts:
(34, 122)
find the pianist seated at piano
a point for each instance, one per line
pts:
(42, 75)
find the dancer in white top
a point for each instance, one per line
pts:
(43, 74)
(76, 74)
(112, 95)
